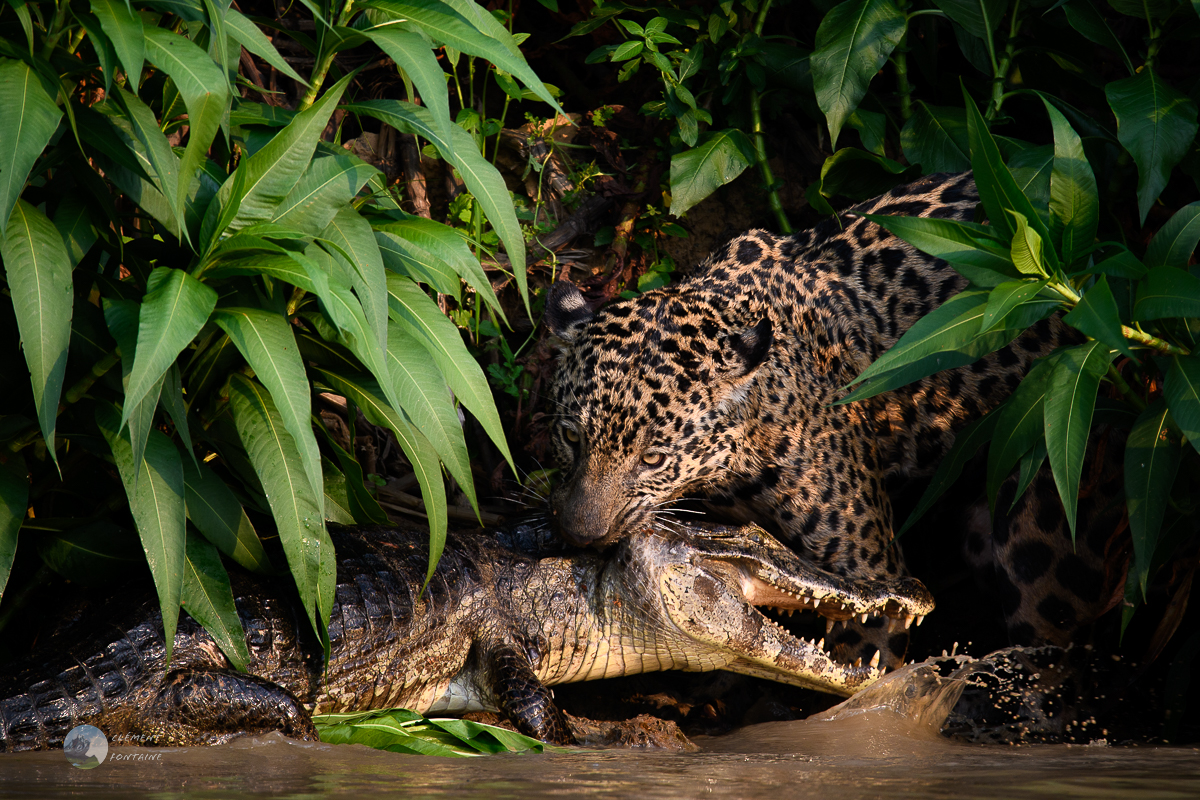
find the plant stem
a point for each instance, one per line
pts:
(56, 28)
(1000, 74)
(1125, 389)
(1134, 335)
(900, 59)
(760, 142)
(323, 64)
(1152, 47)
(760, 149)
(76, 39)
(70, 397)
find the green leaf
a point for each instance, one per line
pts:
(1026, 247)
(412, 54)
(412, 309)
(266, 341)
(208, 597)
(174, 310)
(1151, 460)
(407, 258)
(157, 504)
(1175, 242)
(446, 25)
(1122, 265)
(698, 172)
(262, 182)
(39, 278)
(966, 443)
(294, 504)
(857, 174)
(1021, 425)
(247, 34)
(482, 179)
(1167, 292)
(30, 118)
(936, 138)
(74, 222)
(216, 513)
(171, 398)
(425, 398)
(364, 392)
(853, 42)
(1032, 169)
(14, 499)
(360, 504)
(399, 730)
(92, 555)
(1083, 17)
(1156, 124)
(971, 249)
(1070, 400)
(1004, 298)
(350, 232)
(947, 327)
(337, 501)
(1182, 390)
(205, 93)
(997, 189)
(124, 29)
(978, 17)
(121, 317)
(1074, 199)
(162, 165)
(1096, 316)
(1031, 464)
(329, 183)
(447, 246)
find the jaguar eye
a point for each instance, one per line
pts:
(572, 435)
(653, 459)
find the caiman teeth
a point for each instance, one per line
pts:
(920, 619)
(821, 644)
(908, 621)
(875, 660)
(863, 618)
(829, 626)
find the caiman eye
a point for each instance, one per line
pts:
(653, 459)
(572, 435)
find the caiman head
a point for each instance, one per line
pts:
(713, 584)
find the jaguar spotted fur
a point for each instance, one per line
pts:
(721, 386)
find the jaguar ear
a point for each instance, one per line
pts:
(566, 311)
(744, 351)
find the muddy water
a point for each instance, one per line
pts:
(883, 743)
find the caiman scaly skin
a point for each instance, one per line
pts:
(506, 615)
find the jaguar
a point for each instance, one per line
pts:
(722, 387)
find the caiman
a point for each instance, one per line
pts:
(506, 615)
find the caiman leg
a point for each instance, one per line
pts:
(214, 706)
(525, 699)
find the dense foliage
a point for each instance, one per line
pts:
(184, 268)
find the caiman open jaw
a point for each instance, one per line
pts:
(735, 571)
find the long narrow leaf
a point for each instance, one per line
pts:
(14, 497)
(39, 277)
(1070, 401)
(174, 310)
(1175, 242)
(420, 316)
(263, 181)
(1182, 390)
(1074, 200)
(266, 341)
(294, 505)
(1151, 460)
(481, 178)
(208, 597)
(30, 118)
(354, 237)
(125, 31)
(966, 443)
(157, 504)
(216, 513)
(367, 395)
